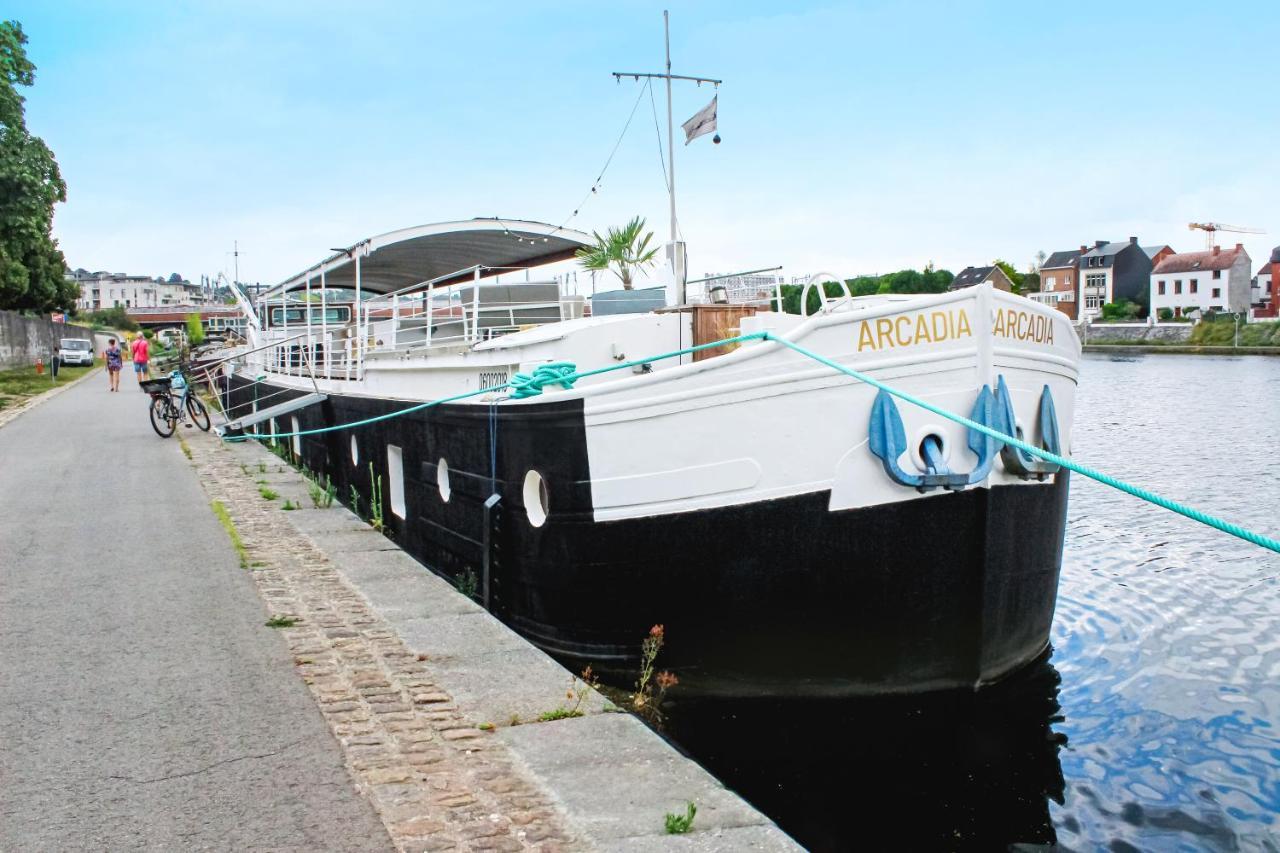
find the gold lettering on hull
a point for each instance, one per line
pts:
(908, 330)
(1022, 326)
(885, 333)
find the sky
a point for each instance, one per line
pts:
(858, 137)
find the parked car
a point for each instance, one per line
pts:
(75, 351)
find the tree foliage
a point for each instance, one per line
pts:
(623, 251)
(904, 281)
(32, 268)
(195, 331)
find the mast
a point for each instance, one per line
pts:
(671, 149)
(674, 247)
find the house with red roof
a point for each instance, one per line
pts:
(1266, 297)
(1215, 280)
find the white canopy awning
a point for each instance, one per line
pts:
(401, 259)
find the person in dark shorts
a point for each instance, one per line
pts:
(115, 360)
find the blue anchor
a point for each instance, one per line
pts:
(1017, 461)
(887, 439)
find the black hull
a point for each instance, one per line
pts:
(776, 598)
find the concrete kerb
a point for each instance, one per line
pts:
(614, 777)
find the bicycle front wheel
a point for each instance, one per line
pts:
(163, 419)
(199, 414)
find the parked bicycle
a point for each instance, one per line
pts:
(173, 399)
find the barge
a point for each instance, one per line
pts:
(797, 531)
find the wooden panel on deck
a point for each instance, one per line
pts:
(714, 322)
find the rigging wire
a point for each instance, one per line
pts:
(595, 185)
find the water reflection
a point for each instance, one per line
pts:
(972, 771)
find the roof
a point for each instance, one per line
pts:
(1062, 260)
(401, 259)
(970, 276)
(1107, 249)
(1196, 261)
(1152, 251)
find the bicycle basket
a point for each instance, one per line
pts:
(157, 386)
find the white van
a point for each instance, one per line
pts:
(75, 351)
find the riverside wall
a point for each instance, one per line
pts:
(1156, 333)
(24, 339)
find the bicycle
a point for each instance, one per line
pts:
(167, 408)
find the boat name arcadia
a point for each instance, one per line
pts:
(936, 326)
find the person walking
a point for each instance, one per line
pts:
(115, 360)
(141, 358)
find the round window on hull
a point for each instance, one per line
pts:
(442, 479)
(536, 499)
(355, 451)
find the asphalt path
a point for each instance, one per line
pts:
(143, 703)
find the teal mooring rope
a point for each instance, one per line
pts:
(525, 385)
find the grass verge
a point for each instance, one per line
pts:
(20, 383)
(230, 526)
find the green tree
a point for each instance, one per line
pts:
(32, 268)
(195, 331)
(1014, 275)
(623, 251)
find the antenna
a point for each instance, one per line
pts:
(677, 262)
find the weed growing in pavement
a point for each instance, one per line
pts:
(224, 518)
(267, 494)
(288, 504)
(278, 621)
(514, 721)
(355, 501)
(262, 467)
(485, 727)
(651, 689)
(322, 497)
(375, 501)
(575, 695)
(186, 450)
(467, 583)
(244, 469)
(679, 824)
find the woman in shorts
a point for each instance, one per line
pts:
(115, 360)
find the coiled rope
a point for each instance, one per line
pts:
(563, 374)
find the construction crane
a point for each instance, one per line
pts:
(1211, 228)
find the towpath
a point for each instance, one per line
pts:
(143, 703)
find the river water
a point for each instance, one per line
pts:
(1155, 722)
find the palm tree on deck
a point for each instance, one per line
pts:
(622, 251)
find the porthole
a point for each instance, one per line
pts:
(297, 439)
(355, 451)
(536, 499)
(442, 479)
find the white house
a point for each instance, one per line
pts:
(118, 290)
(1215, 280)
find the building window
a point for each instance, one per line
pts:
(1194, 286)
(1177, 285)
(1217, 273)
(1093, 303)
(1217, 293)
(1160, 288)
(1050, 282)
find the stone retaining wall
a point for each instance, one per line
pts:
(24, 339)
(1092, 333)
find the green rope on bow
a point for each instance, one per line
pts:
(553, 373)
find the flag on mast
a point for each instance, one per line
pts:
(703, 122)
